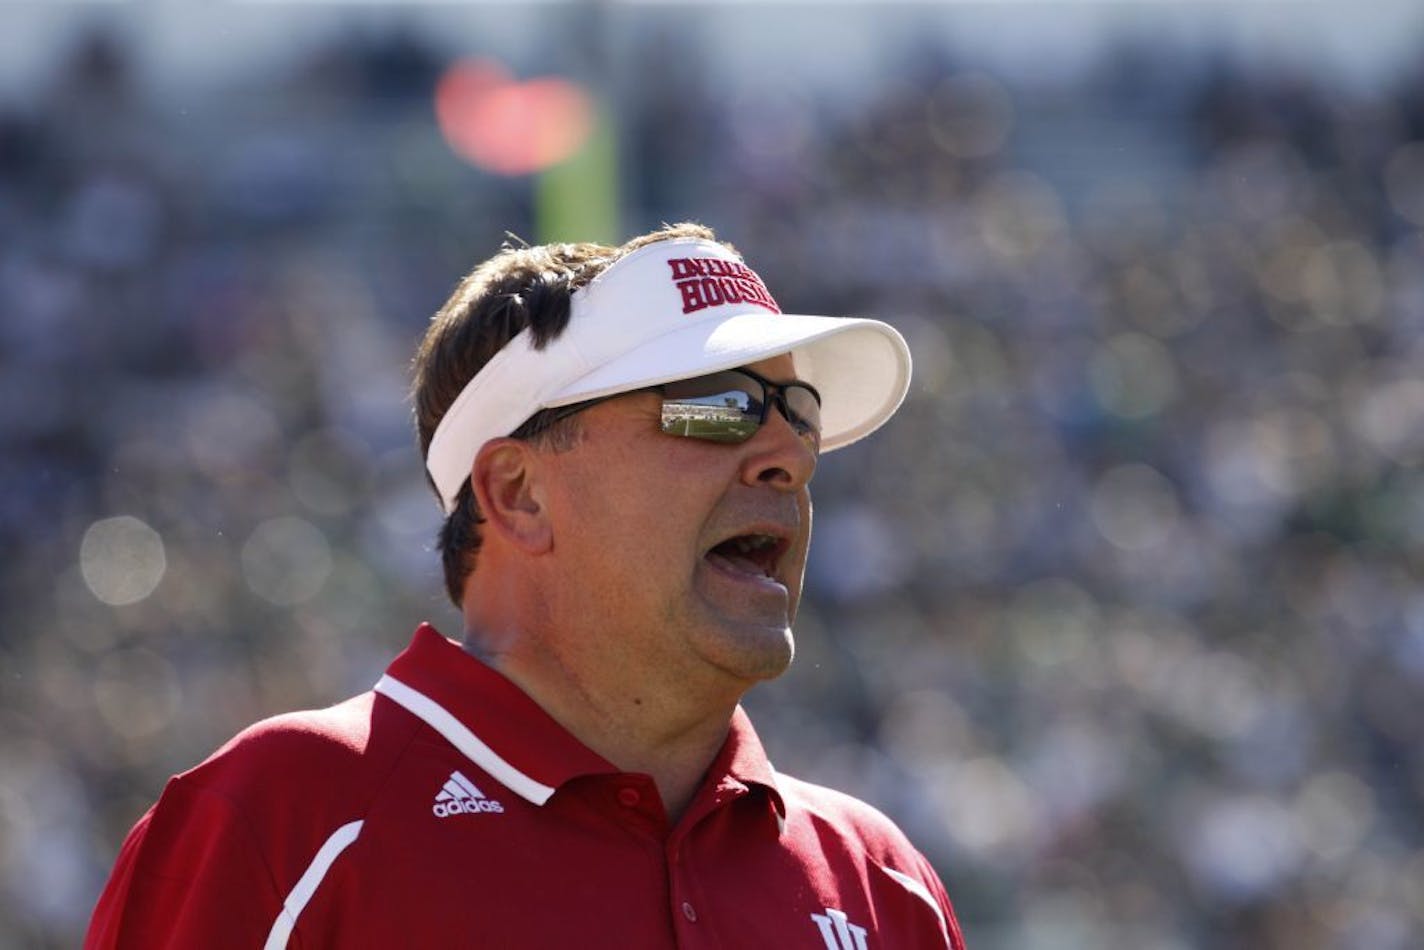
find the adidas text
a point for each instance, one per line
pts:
(466, 806)
(460, 796)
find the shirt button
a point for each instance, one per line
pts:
(629, 797)
(689, 913)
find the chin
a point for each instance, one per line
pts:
(748, 651)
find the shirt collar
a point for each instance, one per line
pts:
(486, 717)
(743, 760)
(508, 735)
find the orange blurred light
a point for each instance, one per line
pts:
(510, 127)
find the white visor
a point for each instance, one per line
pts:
(673, 310)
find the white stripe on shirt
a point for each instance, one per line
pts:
(458, 735)
(308, 883)
(919, 890)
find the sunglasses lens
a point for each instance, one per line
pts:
(727, 407)
(804, 413)
(715, 408)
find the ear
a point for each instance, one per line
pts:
(506, 485)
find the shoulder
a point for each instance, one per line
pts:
(852, 821)
(296, 742)
(228, 839)
(859, 840)
(281, 787)
(323, 758)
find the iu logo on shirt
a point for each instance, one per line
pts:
(838, 932)
(460, 796)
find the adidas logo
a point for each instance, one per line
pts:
(460, 796)
(838, 932)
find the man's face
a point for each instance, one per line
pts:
(677, 556)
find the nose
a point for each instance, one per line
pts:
(778, 455)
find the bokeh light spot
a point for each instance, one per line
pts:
(987, 808)
(1052, 621)
(510, 127)
(1335, 811)
(1404, 182)
(1240, 847)
(1133, 376)
(970, 115)
(329, 472)
(286, 561)
(1134, 507)
(229, 432)
(1391, 418)
(122, 560)
(136, 692)
(1018, 214)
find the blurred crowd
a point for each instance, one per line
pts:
(1121, 617)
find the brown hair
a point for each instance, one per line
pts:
(520, 287)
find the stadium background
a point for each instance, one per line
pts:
(1121, 618)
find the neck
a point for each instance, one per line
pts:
(668, 737)
(664, 717)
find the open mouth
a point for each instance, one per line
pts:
(756, 555)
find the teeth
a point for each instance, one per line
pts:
(744, 553)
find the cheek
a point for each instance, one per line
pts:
(636, 531)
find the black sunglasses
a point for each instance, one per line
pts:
(729, 406)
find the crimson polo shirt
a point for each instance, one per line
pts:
(446, 809)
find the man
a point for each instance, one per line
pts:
(622, 440)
